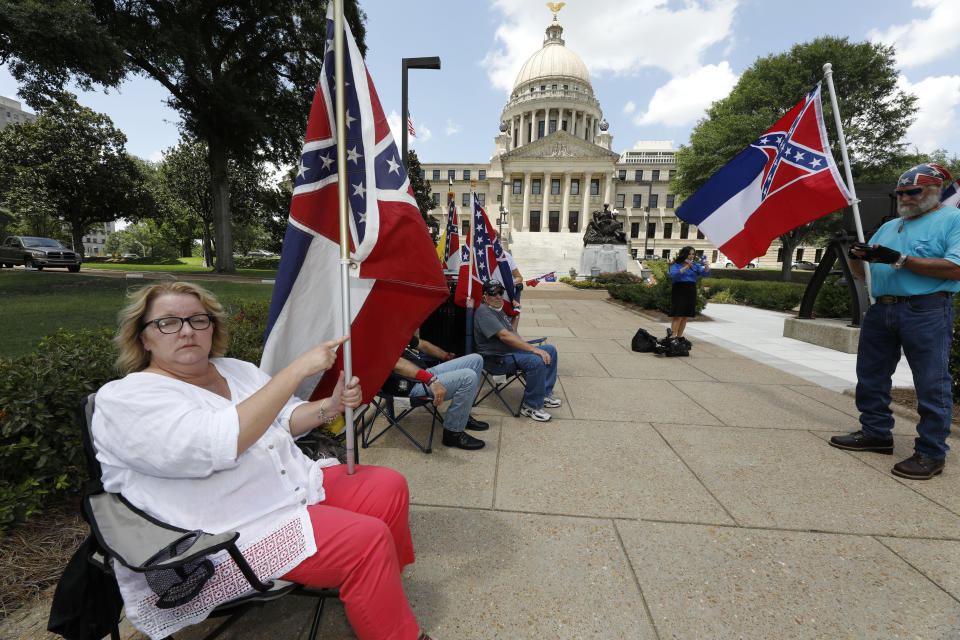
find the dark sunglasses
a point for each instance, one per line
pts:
(910, 192)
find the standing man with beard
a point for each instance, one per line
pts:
(915, 270)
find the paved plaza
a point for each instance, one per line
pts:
(688, 498)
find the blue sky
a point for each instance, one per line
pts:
(655, 65)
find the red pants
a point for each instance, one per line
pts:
(363, 541)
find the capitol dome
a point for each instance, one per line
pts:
(552, 62)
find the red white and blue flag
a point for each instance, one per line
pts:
(488, 263)
(785, 179)
(547, 277)
(451, 247)
(399, 281)
(951, 195)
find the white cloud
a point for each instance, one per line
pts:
(630, 107)
(394, 121)
(451, 128)
(644, 34)
(156, 156)
(938, 117)
(927, 39)
(683, 100)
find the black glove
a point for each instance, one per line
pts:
(878, 253)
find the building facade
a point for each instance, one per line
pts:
(96, 239)
(553, 165)
(12, 113)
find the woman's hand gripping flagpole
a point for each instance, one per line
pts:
(345, 262)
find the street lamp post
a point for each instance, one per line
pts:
(503, 218)
(432, 62)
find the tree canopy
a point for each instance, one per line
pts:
(874, 111)
(421, 191)
(69, 165)
(241, 75)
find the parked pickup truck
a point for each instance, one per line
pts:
(37, 253)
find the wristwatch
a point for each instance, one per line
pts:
(900, 261)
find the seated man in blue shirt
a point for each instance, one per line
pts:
(914, 264)
(459, 377)
(495, 336)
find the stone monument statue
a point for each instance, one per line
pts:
(604, 228)
(605, 244)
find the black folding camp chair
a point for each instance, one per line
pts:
(393, 395)
(510, 372)
(169, 554)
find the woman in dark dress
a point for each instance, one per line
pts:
(683, 303)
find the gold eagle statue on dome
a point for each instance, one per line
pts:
(555, 7)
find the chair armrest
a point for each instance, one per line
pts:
(537, 341)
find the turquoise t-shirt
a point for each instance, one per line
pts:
(935, 235)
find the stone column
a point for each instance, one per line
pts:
(520, 141)
(545, 207)
(585, 192)
(607, 184)
(505, 199)
(565, 208)
(527, 183)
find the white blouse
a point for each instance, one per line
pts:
(170, 448)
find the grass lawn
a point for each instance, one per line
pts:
(37, 303)
(186, 266)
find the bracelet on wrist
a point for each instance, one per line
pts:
(323, 417)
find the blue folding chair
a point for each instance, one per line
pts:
(397, 387)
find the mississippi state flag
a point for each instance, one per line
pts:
(951, 195)
(399, 281)
(451, 243)
(783, 180)
(547, 277)
(488, 263)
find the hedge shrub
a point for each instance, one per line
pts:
(782, 296)
(41, 456)
(657, 295)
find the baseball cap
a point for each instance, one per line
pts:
(492, 287)
(924, 174)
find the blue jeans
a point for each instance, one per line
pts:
(461, 377)
(923, 328)
(540, 377)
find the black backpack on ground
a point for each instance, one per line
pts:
(675, 347)
(644, 342)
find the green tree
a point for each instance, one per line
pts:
(422, 193)
(69, 165)
(875, 114)
(187, 202)
(144, 239)
(241, 75)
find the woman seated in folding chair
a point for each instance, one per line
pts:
(205, 442)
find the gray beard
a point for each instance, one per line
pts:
(926, 204)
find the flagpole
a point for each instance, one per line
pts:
(338, 44)
(828, 75)
(468, 330)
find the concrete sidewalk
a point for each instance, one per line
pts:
(690, 498)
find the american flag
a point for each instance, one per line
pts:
(410, 125)
(488, 260)
(399, 281)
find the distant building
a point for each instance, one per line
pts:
(96, 239)
(553, 164)
(12, 113)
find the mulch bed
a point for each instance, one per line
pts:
(33, 555)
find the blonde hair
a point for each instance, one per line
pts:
(133, 357)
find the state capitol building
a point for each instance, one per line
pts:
(553, 165)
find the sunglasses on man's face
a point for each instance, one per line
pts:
(910, 192)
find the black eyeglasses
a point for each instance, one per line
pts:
(173, 324)
(910, 192)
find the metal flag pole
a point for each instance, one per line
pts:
(345, 262)
(828, 76)
(468, 330)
